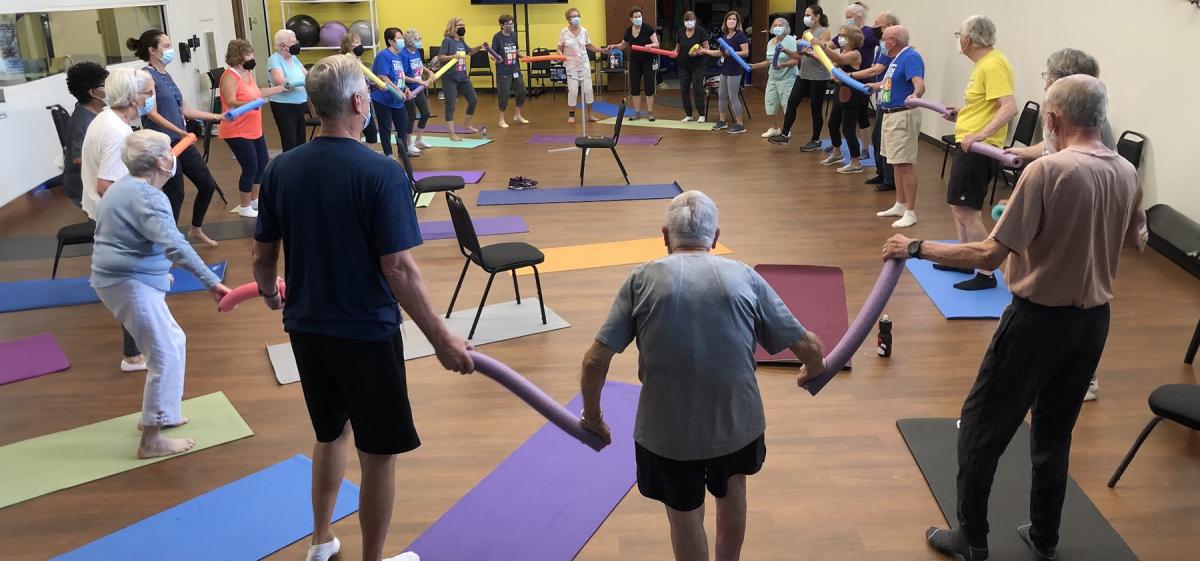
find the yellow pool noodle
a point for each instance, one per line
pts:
(821, 56)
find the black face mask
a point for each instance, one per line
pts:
(878, 31)
(359, 50)
(462, 32)
(294, 49)
(250, 64)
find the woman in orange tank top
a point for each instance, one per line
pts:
(244, 135)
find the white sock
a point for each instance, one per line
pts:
(896, 210)
(322, 552)
(907, 220)
(406, 556)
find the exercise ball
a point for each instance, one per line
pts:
(306, 29)
(331, 33)
(363, 29)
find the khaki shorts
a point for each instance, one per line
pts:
(901, 131)
(777, 94)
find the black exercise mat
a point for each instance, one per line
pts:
(42, 247)
(1085, 534)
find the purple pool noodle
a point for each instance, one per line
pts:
(802, 44)
(846, 80)
(983, 148)
(930, 105)
(536, 398)
(732, 53)
(775, 57)
(495, 55)
(235, 113)
(871, 310)
(418, 90)
(396, 92)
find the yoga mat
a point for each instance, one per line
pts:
(30, 357)
(606, 108)
(445, 142)
(546, 500)
(467, 176)
(488, 226)
(662, 124)
(959, 304)
(231, 229)
(569, 140)
(61, 460)
(607, 254)
(579, 194)
(827, 147)
(249, 518)
(442, 128)
(425, 199)
(1085, 535)
(48, 293)
(815, 295)
(499, 322)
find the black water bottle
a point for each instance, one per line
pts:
(885, 337)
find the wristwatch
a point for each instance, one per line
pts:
(914, 248)
(265, 295)
(599, 417)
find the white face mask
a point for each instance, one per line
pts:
(690, 24)
(850, 22)
(958, 45)
(637, 21)
(843, 42)
(1049, 136)
(174, 165)
(808, 21)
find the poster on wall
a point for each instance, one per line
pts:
(11, 64)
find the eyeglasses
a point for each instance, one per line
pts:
(1048, 75)
(957, 35)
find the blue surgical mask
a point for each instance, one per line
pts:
(637, 21)
(416, 44)
(168, 56)
(777, 30)
(850, 22)
(399, 43)
(575, 20)
(808, 21)
(146, 107)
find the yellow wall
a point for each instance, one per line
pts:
(783, 6)
(430, 16)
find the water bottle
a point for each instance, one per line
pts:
(885, 336)
(483, 132)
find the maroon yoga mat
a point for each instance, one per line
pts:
(30, 357)
(815, 295)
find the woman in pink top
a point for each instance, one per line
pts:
(244, 135)
(575, 44)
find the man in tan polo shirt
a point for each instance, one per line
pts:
(1062, 235)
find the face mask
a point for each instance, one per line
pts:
(416, 44)
(690, 24)
(174, 165)
(462, 31)
(1049, 137)
(575, 20)
(637, 21)
(808, 21)
(958, 45)
(366, 120)
(843, 41)
(777, 30)
(509, 27)
(250, 64)
(146, 107)
(294, 49)
(168, 56)
(878, 31)
(399, 42)
(359, 50)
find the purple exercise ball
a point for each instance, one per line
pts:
(331, 33)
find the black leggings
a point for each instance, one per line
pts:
(252, 156)
(191, 164)
(641, 75)
(289, 117)
(419, 104)
(843, 121)
(691, 86)
(815, 91)
(130, 348)
(387, 117)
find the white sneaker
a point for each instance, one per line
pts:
(700, 119)
(1091, 391)
(254, 204)
(686, 118)
(771, 132)
(413, 150)
(323, 552)
(850, 168)
(907, 220)
(247, 212)
(406, 556)
(127, 366)
(832, 159)
(422, 144)
(897, 210)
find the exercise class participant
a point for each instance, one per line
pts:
(416, 74)
(643, 67)
(352, 45)
(575, 44)
(289, 108)
(884, 179)
(904, 78)
(700, 423)
(847, 102)
(729, 92)
(781, 78)
(244, 135)
(1061, 264)
(390, 111)
(85, 81)
(813, 82)
(456, 80)
(508, 69)
(691, 66)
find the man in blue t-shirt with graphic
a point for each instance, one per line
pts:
(904, 78)
(346, 222)
(884, 179)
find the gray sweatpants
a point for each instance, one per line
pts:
(728, 100)
(451, 89)
(506, 82)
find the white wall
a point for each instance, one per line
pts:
(28, 143)
(1146, 54)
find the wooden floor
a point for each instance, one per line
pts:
(839, 483)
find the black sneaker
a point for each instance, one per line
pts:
(979, 282)
(877, 180)
(948, 268)
(719, 125)
(812, 146)
(1038, 553)
(954, 543)
(779, 139)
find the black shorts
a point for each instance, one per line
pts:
(969, 179)
(680, 484)
(359, 381)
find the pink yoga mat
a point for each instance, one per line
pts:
(569, 140)
(815, 295)
(30, 357)
(468, 176)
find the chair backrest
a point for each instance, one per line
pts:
(543, 66)
(214, 77)
(62, 121)
(1027, 124)
(620, 118)
(464, 229)
(433, 51)
(481, 61)
(1130, 147)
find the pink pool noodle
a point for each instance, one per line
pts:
(243, 293)
(653, 51)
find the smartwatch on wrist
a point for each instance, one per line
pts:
(914, 248)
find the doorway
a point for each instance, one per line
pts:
(253, 27)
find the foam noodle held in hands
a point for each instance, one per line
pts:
(495, 55)
(931, 105)
(847, 81)
(237, 112)
(867, 316)
(653, 51)
(536, 398)
(732, 53)
(372, 77)
(543, 58)
(817, 50)
(985, 149)
(183, 144)
(417, 90)
(245, 292)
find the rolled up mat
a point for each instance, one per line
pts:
(732, 53)
(654, 51)
(183, 144)
(846, 80)
(867, 316)
(546, 500)
(249, 518)
(30, 357)
(248, 291)
(543, 58)
(928, 104)
(998, 154)
(579, 194)
(236, 113)
(997, 212)
(815, 295)
(49, 293)
(539, 400)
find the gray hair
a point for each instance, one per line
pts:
(889, 18)
(979, 30)
(142, 151)
(331, 84)
(857, 10)
(1080, 99)
(692, 218)
(122, 84)
(1069, 62)
(410, 36)
(282, 36)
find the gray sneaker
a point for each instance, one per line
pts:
(1039, 554)
(719, 125)
(812, 146)
(736, 129)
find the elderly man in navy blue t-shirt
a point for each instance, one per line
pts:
(345, 217)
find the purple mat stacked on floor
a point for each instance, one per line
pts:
(30, 357)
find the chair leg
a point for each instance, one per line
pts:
(57, 255)
(541, 301)
(1132, 451)
(516, 289)
(945, 157)
(483, 300)
(457, 288)
(1192, 348)
(620, 165)
(582, 163)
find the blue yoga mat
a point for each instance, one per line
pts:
(606, 108)
(546, 500)
(579, 194)
(49, 293)
(248, 519)
(955, 303)
(827, 147)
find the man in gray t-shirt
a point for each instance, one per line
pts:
(696, 318)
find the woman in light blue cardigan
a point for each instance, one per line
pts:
(136, 243)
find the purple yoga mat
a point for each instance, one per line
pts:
(468, 177)
(441, 128)
(487, 226)
(570, 140)
(543, 502)
(30, 357)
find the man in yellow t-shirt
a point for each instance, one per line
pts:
(984, 118)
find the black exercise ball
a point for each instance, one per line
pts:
(307, 30)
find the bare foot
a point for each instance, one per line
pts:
(455, 138)
(522, 120)
(182, 422)
(160, 446)
(594, 119)
(470, 129)
(503, 124)
(198, 235)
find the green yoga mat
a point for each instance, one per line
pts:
(57, 461)
(661, 124)
(444, 142)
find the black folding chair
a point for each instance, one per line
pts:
(540, 71)
(585, 143)
(1130, 147)
(481, 66)
(1175, 402)
(431, 184)
(1026, 126)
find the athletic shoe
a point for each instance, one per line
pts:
(954, 542)
(771, 132)
(877, 180)
(650, 117)
(422, 144)
(1091, 394)
(736, 129)
(322, 552)
(571, 120)
(779, 139)
(413, 150)
(896, 210)
(247, 212)
(719, 125)
(254, 204)
(948, 268)
(700, 119)
(850, 168)
(812, 146)
(905, 221)
(636, 115)
(833, 159)
(686, 118)
(1039, 554)
(127, 366)
(406, 556)
(979, 282)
